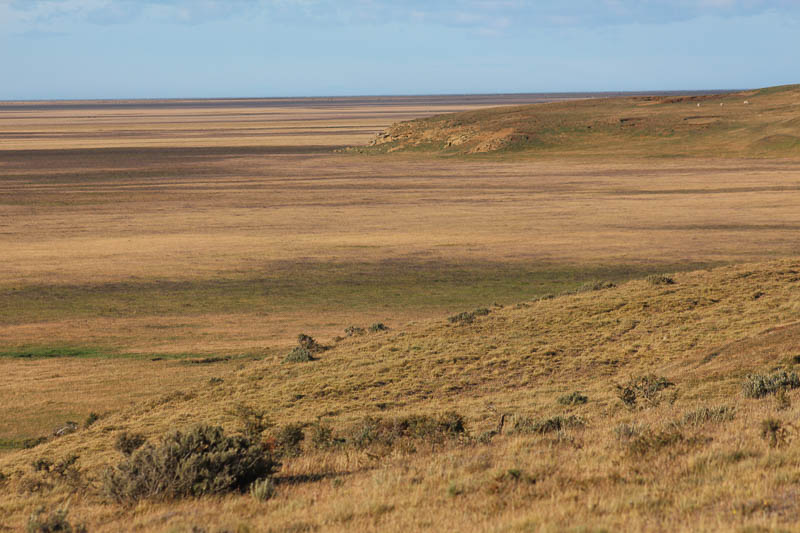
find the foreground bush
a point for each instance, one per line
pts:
(197, 462)
(40, 522)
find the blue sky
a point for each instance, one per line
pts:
(230, 48)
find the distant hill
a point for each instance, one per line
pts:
(756, 123)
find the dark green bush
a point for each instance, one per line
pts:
(760, 385)
(91, 419)
(41, 522)
(468, 317)
(322, 436)
(298, 355)
(288, 440)
(660, 279)
(574, 398)
(127, 443)
(197, 462)
(387, 432)
(254, 421)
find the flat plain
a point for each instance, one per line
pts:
(148, 248)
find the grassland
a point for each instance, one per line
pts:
(158, 263)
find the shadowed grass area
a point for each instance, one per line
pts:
(388, 286)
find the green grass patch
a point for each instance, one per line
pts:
(315, 287)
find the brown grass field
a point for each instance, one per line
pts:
(159, 259)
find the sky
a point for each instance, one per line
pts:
(83, 49)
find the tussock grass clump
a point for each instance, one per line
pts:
(646, 388)
(42, 522)
(197, 462)
(573, 398)
(547, 425)
(262, 490)
(659, 279)
(760, 385)
(703, 415)
(773, 432)
(91, 419)
(468, 317)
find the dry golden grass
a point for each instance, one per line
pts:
(197, 233)
(704, 333)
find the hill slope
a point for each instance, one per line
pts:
(689, 451)
(762, 122)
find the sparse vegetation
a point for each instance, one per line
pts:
(773, 432)
(573, 398)
(547, 425)
(127, 443)
(645, 388)
(660, 279)
(760, 385)
(197, 462)
(468, 317)
(56, 521)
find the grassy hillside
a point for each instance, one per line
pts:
(759, 123)
(658, 404)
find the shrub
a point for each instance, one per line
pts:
(322, 436)
(353, 331)
(91, 419)
(574, 398)
(288, 439)
(262, 489)
(660, 279)
(773, 432)
(254, 421)
(644, 387)
(377, 327)
(197, 462)
(55, 521)
(308, 342)
(127, 443)
(371, 430)
(760, 385)
(700, 416)
(468, 317)
(547, 425)
(298, 355)
(596, 286)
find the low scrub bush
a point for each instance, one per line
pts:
(646, 388)
(91, 419)
(596, 286)
(353, 331)
(197, 462)
(127, 443)
(468, 317)
(42, 522)
(547, 425)
(660, 279)
(254, 421)
(387, 432)
(574, 398)
(378, 327)
(760, 385)
(288, 440)
(305, 350)
(322, 438)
